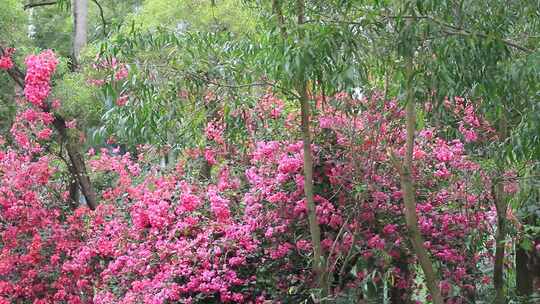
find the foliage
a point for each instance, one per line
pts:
(188, 114)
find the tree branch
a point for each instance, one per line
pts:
(32, 5)
(461, 31)
(456, 30)
(102, 16)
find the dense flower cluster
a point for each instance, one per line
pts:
(40, 69)
(357, 176)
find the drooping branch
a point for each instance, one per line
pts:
(15, 73)
(451, 29)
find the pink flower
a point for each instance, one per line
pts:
(214, 132)
(325, 122)
(237, 261)
(96, 82)
(44, 134)
(427, 134)
(189, 202)
(442, 171)
(380, 197)
(445, 287)
(122, 100)
(442, 152)
(55, 104)
(72, 124)
(219, 205)
(5, 63)
(210, 156)
(121, 73)
(390, 229)
(469, 134)
(376, 242)
(303, 245)
(418, 153)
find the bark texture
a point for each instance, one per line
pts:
(80, 28)
(409, 198)
(319, 267)
(501, 205)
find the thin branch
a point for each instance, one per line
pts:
(238, 86)
(102, 16)
(32, 5)
(461, 31)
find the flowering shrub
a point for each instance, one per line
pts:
(161, 237)
(359, 195)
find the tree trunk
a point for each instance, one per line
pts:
(319, 267)
(80, 28)
(498, 268)
(409, 198)
(501, 206)
(314, 228)
(74, 193)
(77, 163)
(524, 277)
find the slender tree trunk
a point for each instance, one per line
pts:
(409, 198)
(80, 28)
(501, 206)
(74, 193)
(319, 267)
(314, 228)
(498, 268)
